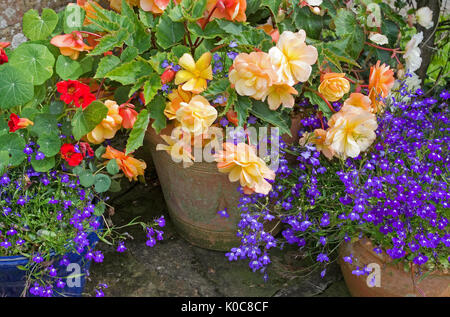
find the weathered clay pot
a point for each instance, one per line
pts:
(194, 195)
(394, 280)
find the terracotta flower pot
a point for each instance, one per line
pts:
(394, 280)
(194, 195)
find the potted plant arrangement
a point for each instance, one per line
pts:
(57, 163)
(204, 67)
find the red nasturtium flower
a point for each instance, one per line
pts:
(128, 114)
(76, 92)
(69, 154)
(3, 56)
(70, 44)
(86, 149)
(15, 123)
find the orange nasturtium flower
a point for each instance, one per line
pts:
(108, 127)
(381, 80)
(70, 44)
(334, 86)
(194, 74)
(242, 163)
(130, 166)
(232, 10)
(175, 98)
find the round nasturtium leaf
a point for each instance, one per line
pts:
(87, 179)
(37, 27)
(15, 87)
(43, 165)
(14, 145)
(49, 144)
(36, 60)
(102, 183)
(67, 68)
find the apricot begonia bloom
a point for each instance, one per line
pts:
(197, 115)
(176, 97)
(334, 86)
(178, 150)
(381, 80)
(195, 74)
(130, 166)
(108, 127)
(155, 6)
(242, 163)
(318, 138)
(269, 30)
(359, 100)
(117, 4)
(70, 44)
(232, 10)
(292, 58)
(281, 93)
(252, 74)
(90, 11)
(352, 130)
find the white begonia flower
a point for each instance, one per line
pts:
(412, 53)
(424, 16)
(314, 3)
(378, 38)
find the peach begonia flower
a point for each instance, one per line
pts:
(130, 166)
(292, 58)
(117, 4)
(242, 163)
(128, 114)
(352, 130)
(281, 93)
(381, 80)
(359, 100)
(178, 149)
(334, 86)
(318, 138)
(252, 74)
(194, 74)
(155, 6)
(197, 115)
(232, 10)
(70, 44)
(175, 98)
(108, 127)
(269, 30)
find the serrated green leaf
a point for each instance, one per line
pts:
(168, 33)
(151, 87)
(84, 121)
(136, 138)
(147, 18)
(316, 100)
(13, 144)
(261, 110)
(106, 64)
(306, 20)
(129, 54)
(157, 106)
(15, 87)
(99, 209)
(242, 107)
(37, 27)
(129, 73)
(217, 87)
(110, 41)
(36, 59)
(351, 35)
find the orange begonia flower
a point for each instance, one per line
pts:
(281, 94)
(108, 127)
(334, 86)
(318, 138)
(155, 6)
(359, 100)
(176, 97)
(242, 163)
(381, 80)
(90, 11)
(70, 44)
(130, 166)
(117, 4)
(232, 10)
(197, 115)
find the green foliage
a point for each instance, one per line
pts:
(129, 73)
(168, 33)
(136, 137)
(262, 111)
(15, 87)
(84, 121)
(157, 107)
(151, 87)
(351, 35)
(37, 27)
(13, 144)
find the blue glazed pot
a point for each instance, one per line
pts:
(12, 279)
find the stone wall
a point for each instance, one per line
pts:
(11, 12)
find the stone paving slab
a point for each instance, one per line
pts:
(175, 268)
